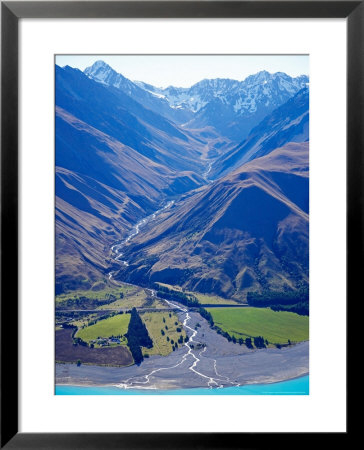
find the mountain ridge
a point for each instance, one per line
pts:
(109, 147)
(287, 123)
(221, 240)
(121, 154)
(238, 105)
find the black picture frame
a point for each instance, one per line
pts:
(11, 12)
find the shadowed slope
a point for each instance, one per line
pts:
(111, 169)
(114, 113)
(288, 123)
(245, 232)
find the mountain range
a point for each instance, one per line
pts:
(233, 155)
(116, 161)
(232, 107)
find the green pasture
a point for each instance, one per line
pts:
(113, 326)
(275, 326)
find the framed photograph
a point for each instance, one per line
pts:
(181, 221)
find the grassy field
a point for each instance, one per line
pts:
(113, 326)
(276, 327)
(102, 294)
(204, 299)
(137, 299)
(125, 297)
(154, 323)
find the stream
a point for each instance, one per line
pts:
(115, 249)
(205, 175)
(143, 381)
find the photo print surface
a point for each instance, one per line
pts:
(182, 224)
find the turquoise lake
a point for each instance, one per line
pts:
(297, 386)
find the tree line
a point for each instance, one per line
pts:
(259, 341)
(178, 296)
(293, 301)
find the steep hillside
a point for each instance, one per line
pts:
(122, 154)
(143, 93)
(112, 168)
(288, 123)
(245, 232)
(114, 113)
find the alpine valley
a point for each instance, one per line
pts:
(182, 228)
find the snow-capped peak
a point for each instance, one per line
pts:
(98, 64)
(209, 99)
(104, 74)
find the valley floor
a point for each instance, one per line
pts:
(208, 360)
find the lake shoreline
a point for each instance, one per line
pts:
(294, 386)
(252, 383)
(265, 366)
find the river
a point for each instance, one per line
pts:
(116, 248)
(140, 382)
(195, 368)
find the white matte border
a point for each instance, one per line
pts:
(325, 408)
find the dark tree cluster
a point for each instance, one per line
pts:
(206, 315)
(135, 349)
(137, 336)
(293, 301)
(259, 342)
(223, 333)
(79, 341)
(301, 308)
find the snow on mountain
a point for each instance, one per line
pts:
(287, 123)
(143, 93)
(232, 107)
(243, 96)
(103, 73)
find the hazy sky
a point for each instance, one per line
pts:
(185, 70)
